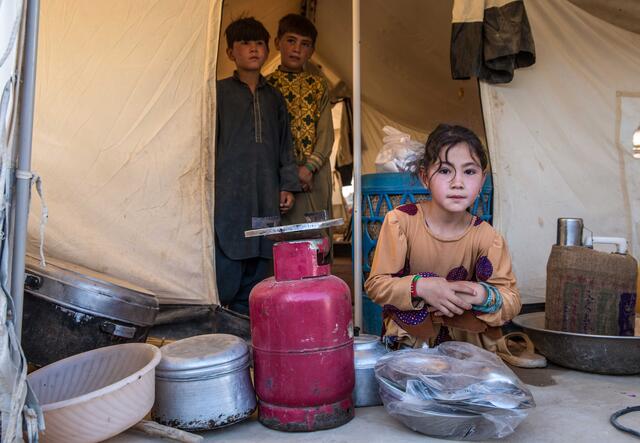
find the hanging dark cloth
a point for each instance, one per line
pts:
(344, 162)
(490, 39)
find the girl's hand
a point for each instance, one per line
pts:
(469, 291)
(441, 296)
(286, 201)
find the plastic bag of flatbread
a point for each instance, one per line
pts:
(455, 391)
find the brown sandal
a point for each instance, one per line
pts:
(516, 348)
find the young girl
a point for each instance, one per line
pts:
(439, 272)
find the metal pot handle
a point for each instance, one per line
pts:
(621, 243)
(118, 330)
(32, 282)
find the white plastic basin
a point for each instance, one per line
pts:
(95, 395)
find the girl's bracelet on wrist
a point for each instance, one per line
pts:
(414, 284)
(493, 301)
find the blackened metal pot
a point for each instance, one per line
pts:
(203, 382)
(69, 309)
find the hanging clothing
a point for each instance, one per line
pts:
(406, 246)
(254, 162)
(307, 98)
(344, 160)
(490, 39)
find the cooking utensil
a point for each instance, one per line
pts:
(367, 350)
(203, 382)
(602, 354)
(69, 309)
(295, 232)
(569, 231)
(153, 429)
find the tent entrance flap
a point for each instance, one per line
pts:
(122, 139)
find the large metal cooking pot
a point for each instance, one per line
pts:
(367, 350)
(69, 309)
(602, 354)
(203, 382)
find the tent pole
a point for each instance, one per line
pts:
(357, 191)
(23, 176)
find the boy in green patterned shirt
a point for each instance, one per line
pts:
(307, 98)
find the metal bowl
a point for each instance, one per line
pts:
(602, 354)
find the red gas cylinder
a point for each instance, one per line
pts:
(302, 334)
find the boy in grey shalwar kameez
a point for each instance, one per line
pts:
(255, 173)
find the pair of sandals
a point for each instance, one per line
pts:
(517, 349)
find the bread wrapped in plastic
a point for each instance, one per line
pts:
(457, 391)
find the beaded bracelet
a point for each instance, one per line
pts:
(493, 302)
(310, 167)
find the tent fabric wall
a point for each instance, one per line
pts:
(559, 138)
(624, 14)
(123, 140)
(405, 52)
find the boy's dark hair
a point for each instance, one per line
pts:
(297, 24)
(246, 29)
(445, 137)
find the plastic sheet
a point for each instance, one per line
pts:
(399, 152)
(456, 391)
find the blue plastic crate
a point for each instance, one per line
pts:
(380, 194)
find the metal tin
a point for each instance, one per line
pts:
(569, 232)
(203, 382)
(86, 291)
(367, 350)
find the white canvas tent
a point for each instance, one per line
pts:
(123, 133)
(123, 130)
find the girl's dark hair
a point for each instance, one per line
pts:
(297, 24)
(246, 29)
(445, 137)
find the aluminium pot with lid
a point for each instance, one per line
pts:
(203, 382)
(367, 350)
(203, 356)
(89, 292)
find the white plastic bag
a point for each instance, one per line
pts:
(398, 152)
